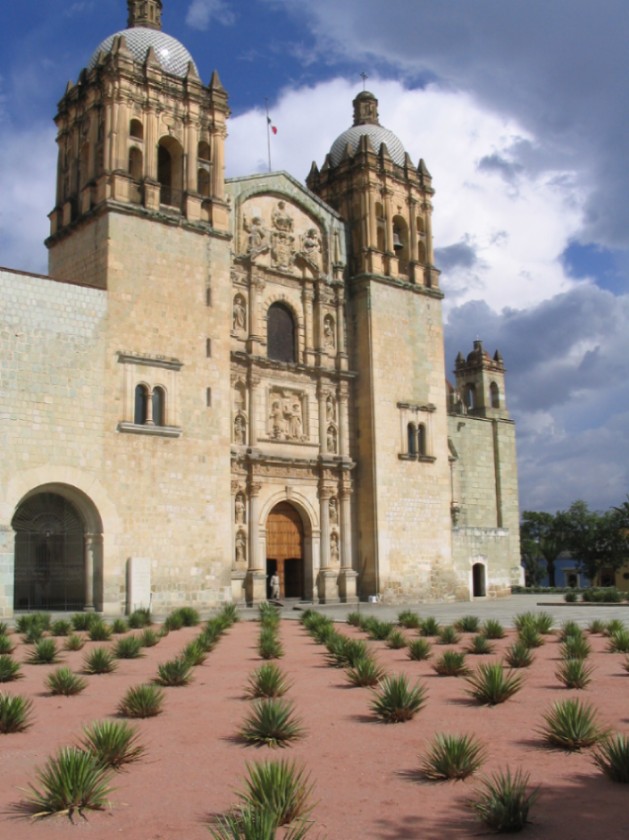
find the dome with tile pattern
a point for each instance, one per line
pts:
(173, 57)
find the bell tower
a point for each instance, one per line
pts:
(138, 130)
(396, 341)
(480, 383)
(147, 13)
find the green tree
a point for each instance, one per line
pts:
(597, 541)
(541, 538)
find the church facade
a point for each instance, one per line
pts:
(222, 380)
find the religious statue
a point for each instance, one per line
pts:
(335, 554)
(328, 332)
(239, 430)
(241, 550)
(240, 509)
(330, 409)
(257, 243)
(331, 440)
(334, 513)
(239, 318)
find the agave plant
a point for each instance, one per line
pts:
(355, 619)
(468, 624)
(271, 722)
(503, 801)
(452, 757)
(267, 681)
(613, 626)
(542, 622)
(479, 645)
(6, 645)
(280, 788)
(529, 635)
(15, 713)
(451, 663)
(118, 626)
(194, 653)
(395, 701)
(142, 701)
(448, 635)
(45, 652)
(409, 620)
(619, 641)
(596, 626)
(575, 647)
(175, 672)
(378, 630)
(99, 661)
(612, 757)
(344, 652)
(419, 649)
(173, 621)
(396, 640)
(9, 669)
(148, 637)
(269, 645)
(429, 627)
(98, 631)
(112, 743)
(574, 673)
(139, 619)
(74, 642)
(229, 615)
(519, 655)
(61, 627)
(490, 684)
(245, 824)
(366, 673)
(189, 616)
(83, 620)
(71, 781)
(493, 629)
(64, 682)
(569, 628)
(128, 648)
(571, 725)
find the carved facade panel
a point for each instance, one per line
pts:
(276, 234)
(287, 415)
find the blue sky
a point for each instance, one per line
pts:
(519, 109)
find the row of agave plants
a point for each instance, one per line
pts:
(502, 800)
(277, 793)
(78, 777)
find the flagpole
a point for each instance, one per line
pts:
(268, 131)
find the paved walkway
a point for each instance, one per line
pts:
(503, 609)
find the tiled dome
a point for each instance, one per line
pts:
(376, 134)
(171, 54)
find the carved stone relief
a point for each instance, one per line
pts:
(240, 430)
(329, 339)
(331, 440)
(239, 316)
(330, 409)
(286, 415)
(240, 551)
(335, 555)
(258, 241)
(334, 511)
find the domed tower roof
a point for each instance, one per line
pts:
(145, 32)
(366, 123)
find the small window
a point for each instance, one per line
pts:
(140, 414)
(204, 151)
(203, 182)
(494, 393)
(470, 396)
(136, 129)
(421, 439)
(208, 397)
(159, 406)
(411, 432)
(280, 334)
(208, 347)
(208, 296)
(135, 163)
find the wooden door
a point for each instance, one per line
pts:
(284, 546)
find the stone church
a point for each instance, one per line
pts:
(222, 379)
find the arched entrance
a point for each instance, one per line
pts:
(285, 550)
(50, 539)
(479, 586)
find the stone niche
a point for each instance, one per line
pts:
(280, 236)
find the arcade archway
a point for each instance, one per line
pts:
(285, 550)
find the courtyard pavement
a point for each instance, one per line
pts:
(447, 612)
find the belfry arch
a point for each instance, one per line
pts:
(58, 550)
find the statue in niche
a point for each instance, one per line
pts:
(331, 440)
(281, 220)
(283, 251)
(296, 427)
(330, 409)
(239, 430)
(335, 554)
(278, 421)
(311, 248)
(328, 333)
(241, 550)
(334, 511)
(257, 243)
(239, 506)
(239, 318)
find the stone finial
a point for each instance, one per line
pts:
(147, 13)
(365, 109)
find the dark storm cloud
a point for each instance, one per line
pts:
(459, 255)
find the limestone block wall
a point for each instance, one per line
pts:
(485, 492)
(403, 503)
(492, 547)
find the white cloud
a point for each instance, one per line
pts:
(202, 12)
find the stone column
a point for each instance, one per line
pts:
(342, 411)
(90, 542)
(412, 209)
(307, 296)
(430, 257)
(150, 145)
(256, 287)
(328, 577)
(341, 351)
(323, 428)
(348, 577)
(218, 164)
(371, 221)
(254, 382)
(255, 581)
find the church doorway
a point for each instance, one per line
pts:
(49, 554)
(285, 550)
(479, 588)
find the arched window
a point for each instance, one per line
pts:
(136, 129)
(380, 244)
(280, 333)
(85, 164)
(204, 151)
(421, 439)
(400, 243)
(411, 433)
(135, 163)
(140, 413)
(203, 182)
(494, 393)
(170, 171)
(470, 396)
(159, 406)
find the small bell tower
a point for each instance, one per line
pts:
(146, 13)
(480, 384)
